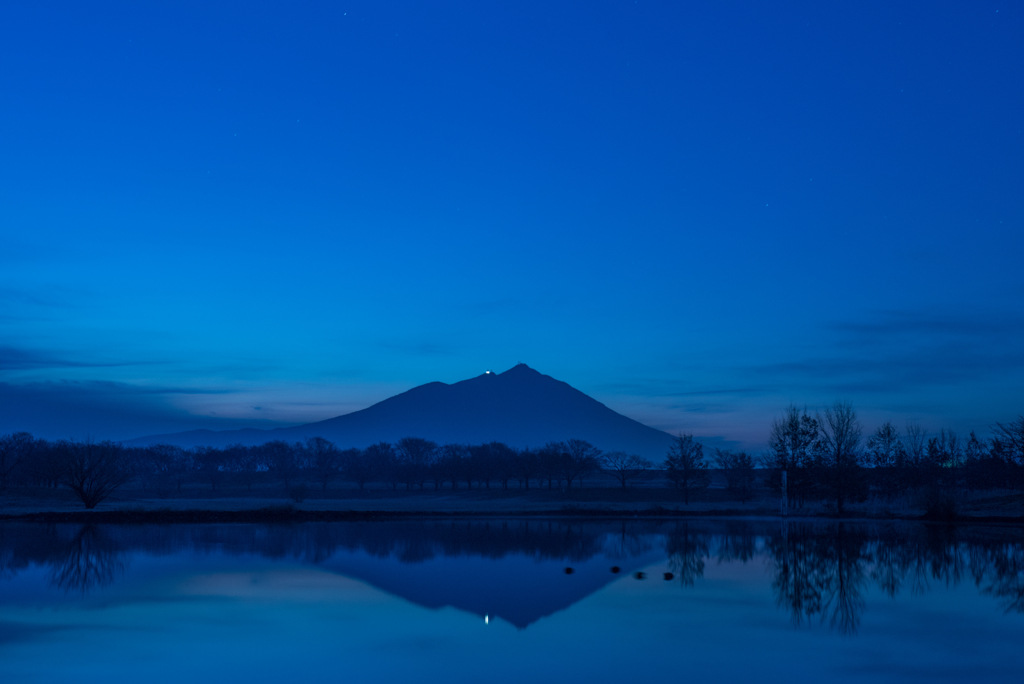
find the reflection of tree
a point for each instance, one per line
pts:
(845, 601)
(796, 573)
(1002, 576)
(892, 562)
(633, 539)
(88, 560)
(739, 543)
(687, 550)
(820, 574)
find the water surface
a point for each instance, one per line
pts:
(507, 601)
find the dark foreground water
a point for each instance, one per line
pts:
(496, 601)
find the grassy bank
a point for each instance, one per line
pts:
(199, 505)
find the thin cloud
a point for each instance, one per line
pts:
(105, 410)
(906, 352)
(13, 358)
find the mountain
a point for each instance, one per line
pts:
(520, 407)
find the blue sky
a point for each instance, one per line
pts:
(224, 214)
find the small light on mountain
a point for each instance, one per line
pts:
(487, 618)
(488, 373)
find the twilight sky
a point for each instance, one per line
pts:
(215, 214)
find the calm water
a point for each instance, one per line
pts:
(474, 601)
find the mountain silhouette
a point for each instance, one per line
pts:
(520, 407)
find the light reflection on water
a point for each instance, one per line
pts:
(475, 600)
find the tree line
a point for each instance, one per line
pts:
(820, 573)
(94, 470)
(824, 457)
(827, 457)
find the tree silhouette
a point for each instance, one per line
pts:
(93, 471)
(685, 467)
(324, 460)
(739, 471)
(15, 449)
(790, 450)
(625, 467)
(839, 437)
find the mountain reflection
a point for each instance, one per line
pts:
(820, 573)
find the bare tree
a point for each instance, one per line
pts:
(625, 467)
(837, 450)
(246, 463)
(381, 458)
(93, 471)
(791, 445)
(359, 466)
(503, 462)
(15, 449)
(685, 467)
(889, 457)
(739, 471)
(415, 456)
(282, 460)
(1009, 440)
(527, 465)
(578, 458)
(211, 462)
(915, 443)
(324, 460)
(452, 462)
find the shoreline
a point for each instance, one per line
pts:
(287, 514)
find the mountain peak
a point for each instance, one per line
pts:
(520, 406)
(520, 369)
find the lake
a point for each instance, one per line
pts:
(473, 600)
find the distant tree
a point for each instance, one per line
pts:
(1010, 438)
(244, 463)
(685, 466)
(324, 460)
(885, 451)
(974, 450)
(503, 462)
(415, 455)
(15, 449)
(482, 464)
(451, 463)
(170, 464)
(915, 445)
(549, 462)
(93, 471)
(1008, 445)
(381, 457)
(141, 464)
(791, 445)
(211, 463)
(625, 467)
(981, 471)
(283, 461)
(493, 461)
(579, 458)
(838, 456)
(527, 466)
(738, 468)
(44, 465)
(359, 466)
